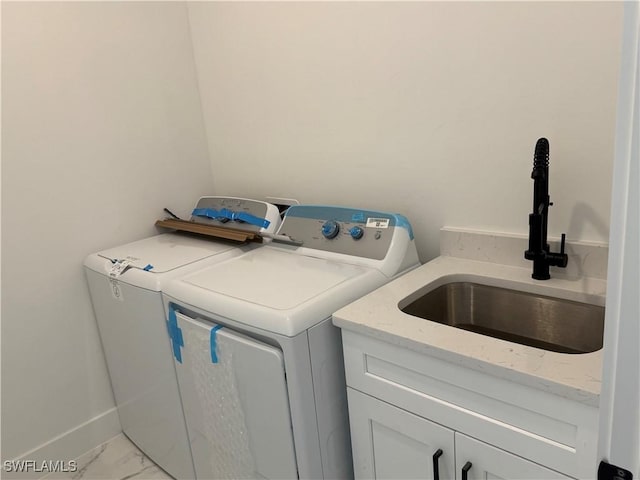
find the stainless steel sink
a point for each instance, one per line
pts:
(548, 323)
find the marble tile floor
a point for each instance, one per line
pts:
(116, 459)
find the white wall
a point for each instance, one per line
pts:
(431, 109)
(102, 127)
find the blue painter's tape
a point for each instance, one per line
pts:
(148, 267)
(231, 215)
(251, 219)
(403, 222)
(212, 342)
(211, 213)
(175, 333)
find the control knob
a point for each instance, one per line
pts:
(330, 229)
(356, 232)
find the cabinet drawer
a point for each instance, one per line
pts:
(546, 428)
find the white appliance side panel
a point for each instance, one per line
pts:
(236, 404)
(330, 391)
(138, 353)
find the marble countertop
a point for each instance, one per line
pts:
(377, 315)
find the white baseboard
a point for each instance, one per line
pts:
(65, 447)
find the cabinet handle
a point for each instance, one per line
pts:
(436, 467)
(465, 469)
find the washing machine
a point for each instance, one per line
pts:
(259, 363)
(125, 284)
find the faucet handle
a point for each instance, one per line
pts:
(559, 259)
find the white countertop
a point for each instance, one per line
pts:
(377, 315)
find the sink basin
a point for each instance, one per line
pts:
(538, 321)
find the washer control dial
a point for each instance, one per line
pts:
(356, 232)
(330, 229)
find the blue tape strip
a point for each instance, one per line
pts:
(231, 215)
(251, 219)
(175, 333)
(403, 222)
(212, 213)
(212, 341)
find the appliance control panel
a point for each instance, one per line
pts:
(238, 213)
(349, 231)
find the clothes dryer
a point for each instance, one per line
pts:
(259, 362)
(125, 284)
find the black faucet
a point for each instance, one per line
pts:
(539, 251)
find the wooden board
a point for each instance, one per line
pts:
(233, 234)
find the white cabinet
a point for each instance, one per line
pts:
(390, 443)
(405, 406)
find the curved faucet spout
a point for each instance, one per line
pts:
(539, 250)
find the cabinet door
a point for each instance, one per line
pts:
(391, 443)
(491, 463)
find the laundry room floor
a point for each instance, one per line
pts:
(116, 459)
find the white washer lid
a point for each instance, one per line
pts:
(274, 278)
(166, 252)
